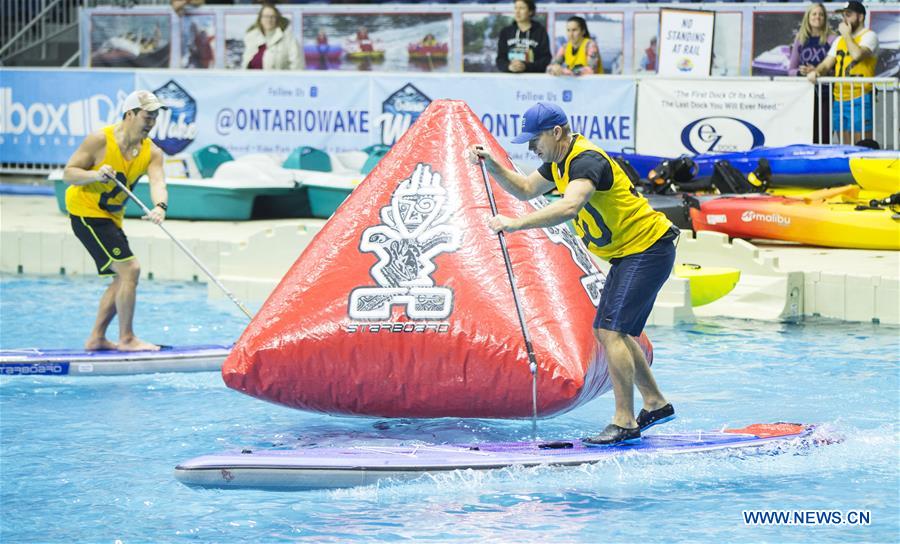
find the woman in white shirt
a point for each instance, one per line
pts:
(268, 45)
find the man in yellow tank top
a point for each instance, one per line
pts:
(96, 206)
(615, 223)
(853, 54)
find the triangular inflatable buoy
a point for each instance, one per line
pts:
(401, 306)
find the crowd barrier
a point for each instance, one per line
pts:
(872, 116)
(45, 113)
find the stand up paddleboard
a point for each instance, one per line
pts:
(323, 468)
(59, 362)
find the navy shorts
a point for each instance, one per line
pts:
(632, 285)
(105, 241)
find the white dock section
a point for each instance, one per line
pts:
(778, 281)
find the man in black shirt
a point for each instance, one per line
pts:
(524, 45)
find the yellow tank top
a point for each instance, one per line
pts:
(579, 58)
(106, 198)
(614, 223)
(845, 66)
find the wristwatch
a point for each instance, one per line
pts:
(162, 205)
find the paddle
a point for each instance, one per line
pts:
(121, 181)
(532, 360)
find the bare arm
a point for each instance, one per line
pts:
(158, 192)
(578, 193)
(78, 169)
(520, 186)
(823, 68)
(857, 52)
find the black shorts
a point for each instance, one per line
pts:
(105, 241)
(632, 285)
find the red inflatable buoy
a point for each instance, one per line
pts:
(401, 306)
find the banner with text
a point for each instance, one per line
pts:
(397, 102)
(677, 116)
(44, 115)
(254, 112)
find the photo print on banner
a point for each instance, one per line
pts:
(887, 25)
(198, 40)
(396, 42)
(130, 41)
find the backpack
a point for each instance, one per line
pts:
(673, 173)
(629, 170)
(729, 180)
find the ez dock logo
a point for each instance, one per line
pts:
(721, 135)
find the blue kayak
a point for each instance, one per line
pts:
(802, 165)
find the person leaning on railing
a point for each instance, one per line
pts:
(812, 42)
(853, 54)
(269, 45)
(810, 48)
(580, 55)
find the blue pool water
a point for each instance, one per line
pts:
(91, 459)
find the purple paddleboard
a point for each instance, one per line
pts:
(60, 362)
(322, 468)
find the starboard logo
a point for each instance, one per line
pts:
(399, 111)
(592, 280)
(778, 219)
(415, 228)
(721, 134)
(175, 127)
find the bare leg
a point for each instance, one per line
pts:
(105, 314)
(621, 371)
(128, 272)
(643, 377)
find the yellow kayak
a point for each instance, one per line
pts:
(877, 171)
(708, 283)
(846, 193)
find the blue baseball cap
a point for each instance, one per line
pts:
(540, 117)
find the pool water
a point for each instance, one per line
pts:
(91, 459)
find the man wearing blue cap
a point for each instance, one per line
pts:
(616, 224)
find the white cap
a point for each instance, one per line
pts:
(144, 100)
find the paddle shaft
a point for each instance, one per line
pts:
(532, 360)
(185, 249)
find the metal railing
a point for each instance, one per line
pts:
(31, 23)
(858, 108)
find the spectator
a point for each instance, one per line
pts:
(268, 45)
(809, 49)
(524, 45)
(812, 41)
(580, 55)
(853, 54)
